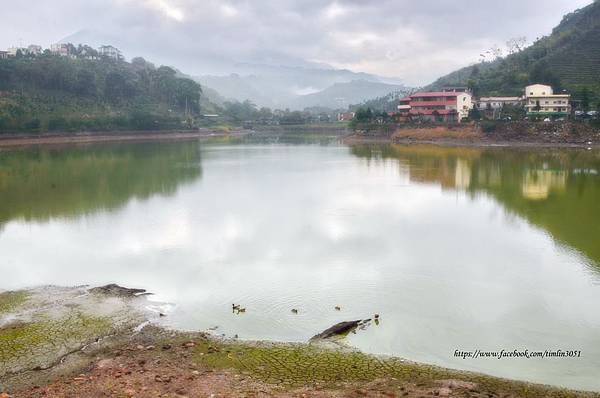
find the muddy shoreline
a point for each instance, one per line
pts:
(16, 141)
(497, 134)
(82, 342)
(8, 141)
(482, 143)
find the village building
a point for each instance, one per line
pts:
(110, 52)
(457, 89)
(345, 116)
(495, 103)
(62, 49)
(34, 49)
(447, 106)
(3, 54)
(13, 51)
(541, 100)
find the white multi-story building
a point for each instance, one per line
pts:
(541, 100)
(110, 52)
(61, 49)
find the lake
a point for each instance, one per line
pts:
(455, 248)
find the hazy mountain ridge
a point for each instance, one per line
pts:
(268, 79)
(298, 88)
(341, 95)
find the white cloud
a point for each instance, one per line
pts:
(387, 37)
(167, 9)
(228, 10)
(334, 10)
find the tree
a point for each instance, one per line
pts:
(187, 95)
(85, 83)
(363, 115)
(473, 86)
(516, 44)
(542, 73)
(475, 114)
(265, 114)
(513, 112)
(141, 63)
(585, 99)
(240, 111)
(117, 88)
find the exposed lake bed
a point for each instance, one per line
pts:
(456, 248)
(96, 347)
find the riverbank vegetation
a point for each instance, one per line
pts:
(53, 93)
(50, 93)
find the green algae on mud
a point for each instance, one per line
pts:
(10, 301)
(297, 365)
(40, 327)
(39, 344)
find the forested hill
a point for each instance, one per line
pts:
(569, 58)
(53, 93)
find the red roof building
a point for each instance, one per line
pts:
(437, 105)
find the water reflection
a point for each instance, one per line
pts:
(39, 184)
(557, 190)
(418, 235)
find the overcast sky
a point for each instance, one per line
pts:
(416, 41)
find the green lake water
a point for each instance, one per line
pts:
(455, 248)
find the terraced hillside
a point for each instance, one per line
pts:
(568, 58)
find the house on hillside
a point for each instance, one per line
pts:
(541, 100)
(110, 52)
(34, 49)
(62, 49)
(457, 89)
(13, 51)
(447, 106)
(3, 54)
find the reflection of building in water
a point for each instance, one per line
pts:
(462, 174)
(489, 176)
(537, 184)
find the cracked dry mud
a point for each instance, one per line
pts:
(38, 328)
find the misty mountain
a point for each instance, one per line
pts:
(340, 95)
(299, 87)
(266, 78)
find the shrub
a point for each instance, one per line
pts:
(33, 124)
(57, 123)
(489, 126)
